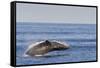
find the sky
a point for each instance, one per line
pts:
(42, 13)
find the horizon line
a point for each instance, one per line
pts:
(55, 23)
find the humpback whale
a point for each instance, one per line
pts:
(44, 47)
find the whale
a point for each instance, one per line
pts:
(43, 47)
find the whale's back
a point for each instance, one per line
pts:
(45, 47)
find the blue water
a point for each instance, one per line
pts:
(80, 37)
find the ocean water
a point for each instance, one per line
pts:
(80, 37)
